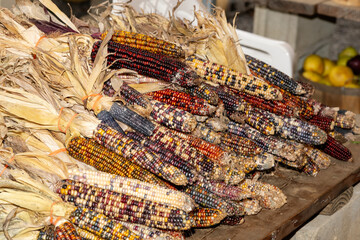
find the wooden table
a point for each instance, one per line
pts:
(311, 7)
(306, 197)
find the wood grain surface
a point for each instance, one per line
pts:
(306, 195)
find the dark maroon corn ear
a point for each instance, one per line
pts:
(148, 64)
(335, 149)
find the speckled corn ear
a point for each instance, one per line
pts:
(231, 101)
(124, 207)
(133, 187)
(145, 42)
(205, 92)
(132, 150)
(165, 155)
(66, 230)
(103, 159)
(132, 96)
(205, 217)
(148, 64)
(86, 235)
(184, 150)
(225, 76)
(100, 225)
(240, 145)
(172, 117)
(274, 76)
(184, 101)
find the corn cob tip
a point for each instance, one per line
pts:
(300, 90)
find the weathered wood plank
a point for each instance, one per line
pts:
(306, 197)
(334, 9)
(306, 7)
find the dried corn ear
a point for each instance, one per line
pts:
(145, 42)
(165, 155)
(205, 92)
(207, 134)
(103, 159)
(311, 168)
(133, 97)
(318, 157)
(100, 225)
(133, 151)
(149, 233)
(240, 145)
(231, 101)
(124, 207)
(225, 76)
(172, 117)
(208, 199)
(271, 144)
(133, 187)
(184, 101)
(269, 196)
(132, 119)
(274, 76)
(345, 120)
(335, 149)
(184, 150)
(325, 123)
(66, 230)
(85, 235)
(206, 217)
(148, 64)
(250, 206)
(107, 119)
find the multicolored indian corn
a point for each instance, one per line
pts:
(318, 157)
(207, 134)
(184, 150)
(225, 76)
(149, 64)
(345, 120)
(172, 117)
(233, 220)
(206, 217)
(205, 92)
(107, 119)
(311, 168)
(145, 42)
(133, 187)
(132, 150)
(124, 207)
(165, 155)
(149, 233)
(335, 149)
(231, 101)
(100, 225)
(274, 76)
(103, 159)
(86, 235)
(47, 233)
(66, 230)
(184, 101)
(132, 96)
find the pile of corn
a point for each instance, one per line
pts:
(184, 149)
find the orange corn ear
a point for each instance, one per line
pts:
(93, 154)
(205, 217)
(66, 231)
(145, 42)
(225, 76)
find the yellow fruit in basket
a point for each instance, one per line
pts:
(328, 65)
(312, 76)
(340, 76)
(314, 63)
(325, 81)
(348, 52)
(352, 85)
(343, 61)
